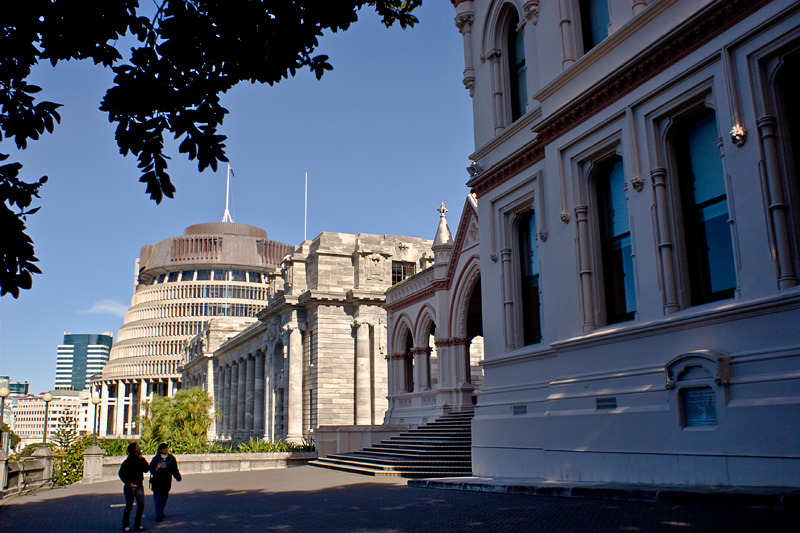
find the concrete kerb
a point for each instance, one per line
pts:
(777, 498)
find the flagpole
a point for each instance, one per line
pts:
(226, 216)
(305, 209)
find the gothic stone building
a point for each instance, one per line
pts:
(637, 189)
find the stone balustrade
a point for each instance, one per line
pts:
(98, 468)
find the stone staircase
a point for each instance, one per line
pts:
(441, 448)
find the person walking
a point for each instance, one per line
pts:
(132, 475)
(163, 468)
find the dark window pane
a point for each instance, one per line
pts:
(618, 278)
(238, 275)
(594, 22)
(529, 282)
(203, 275)
(707, 235)
(255, 277)
(516, 68)
(187, 275)
(220, 275)
(173, 276)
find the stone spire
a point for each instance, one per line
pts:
(443, 235)
(442, 246)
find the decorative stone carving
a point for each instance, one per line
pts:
(463, 20)
(531, 10)
(738, 135)
(373, 267)
(638, 183)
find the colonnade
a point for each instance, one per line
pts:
(260, 393)
(122, 402)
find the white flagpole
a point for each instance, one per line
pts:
(305, 210)
(226, 216)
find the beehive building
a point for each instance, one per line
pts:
(218, 269)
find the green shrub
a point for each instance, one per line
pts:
(69, 461)
(114, 447)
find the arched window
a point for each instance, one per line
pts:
(704, 207)
(529, 279)
(788, 92)
(594, 22)
(615, 241)
(515, 52)
(408, 363)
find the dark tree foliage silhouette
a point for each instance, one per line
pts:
(187, 53)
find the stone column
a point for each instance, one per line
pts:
(234, 404)
(464, 24)
(497, 91)
(422, 369)
(241, 403)
(119, 411)
(294, 407)
(102, 410)
(142, 400)
(269, 394)
(567, 54)
(219, 401)
(249, 394)
(585, 266)
(665, 245)
(778, 210)
(508, 301)
(258, 392)
(363, 383)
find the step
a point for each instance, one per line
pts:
(419, 469)
(415, 453)
(393, 461)
(439, 448)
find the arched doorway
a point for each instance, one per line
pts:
(474, 327)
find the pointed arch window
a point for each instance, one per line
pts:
(515, 47)
(704, 205)
(595, 19)
(615, 242)
(529, 279)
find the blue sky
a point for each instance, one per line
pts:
(385, 137)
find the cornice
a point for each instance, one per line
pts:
(522, 124)
(682, 41)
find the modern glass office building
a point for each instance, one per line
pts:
(80, 357)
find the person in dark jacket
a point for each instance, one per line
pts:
(132, 475)
(163, 468)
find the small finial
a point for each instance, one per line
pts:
(442, 209)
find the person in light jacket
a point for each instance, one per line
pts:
(131, 472)
(163, 468)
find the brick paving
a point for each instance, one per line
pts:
(307, 499)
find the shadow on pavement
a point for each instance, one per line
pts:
(380, 508)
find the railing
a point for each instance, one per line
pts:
(26, 475)
(212, 463)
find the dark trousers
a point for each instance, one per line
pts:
(160, 501)
(131, 493)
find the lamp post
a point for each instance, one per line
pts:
(96, 402)
(4, 392)
(47, 399)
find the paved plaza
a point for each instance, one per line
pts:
(307, 499)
